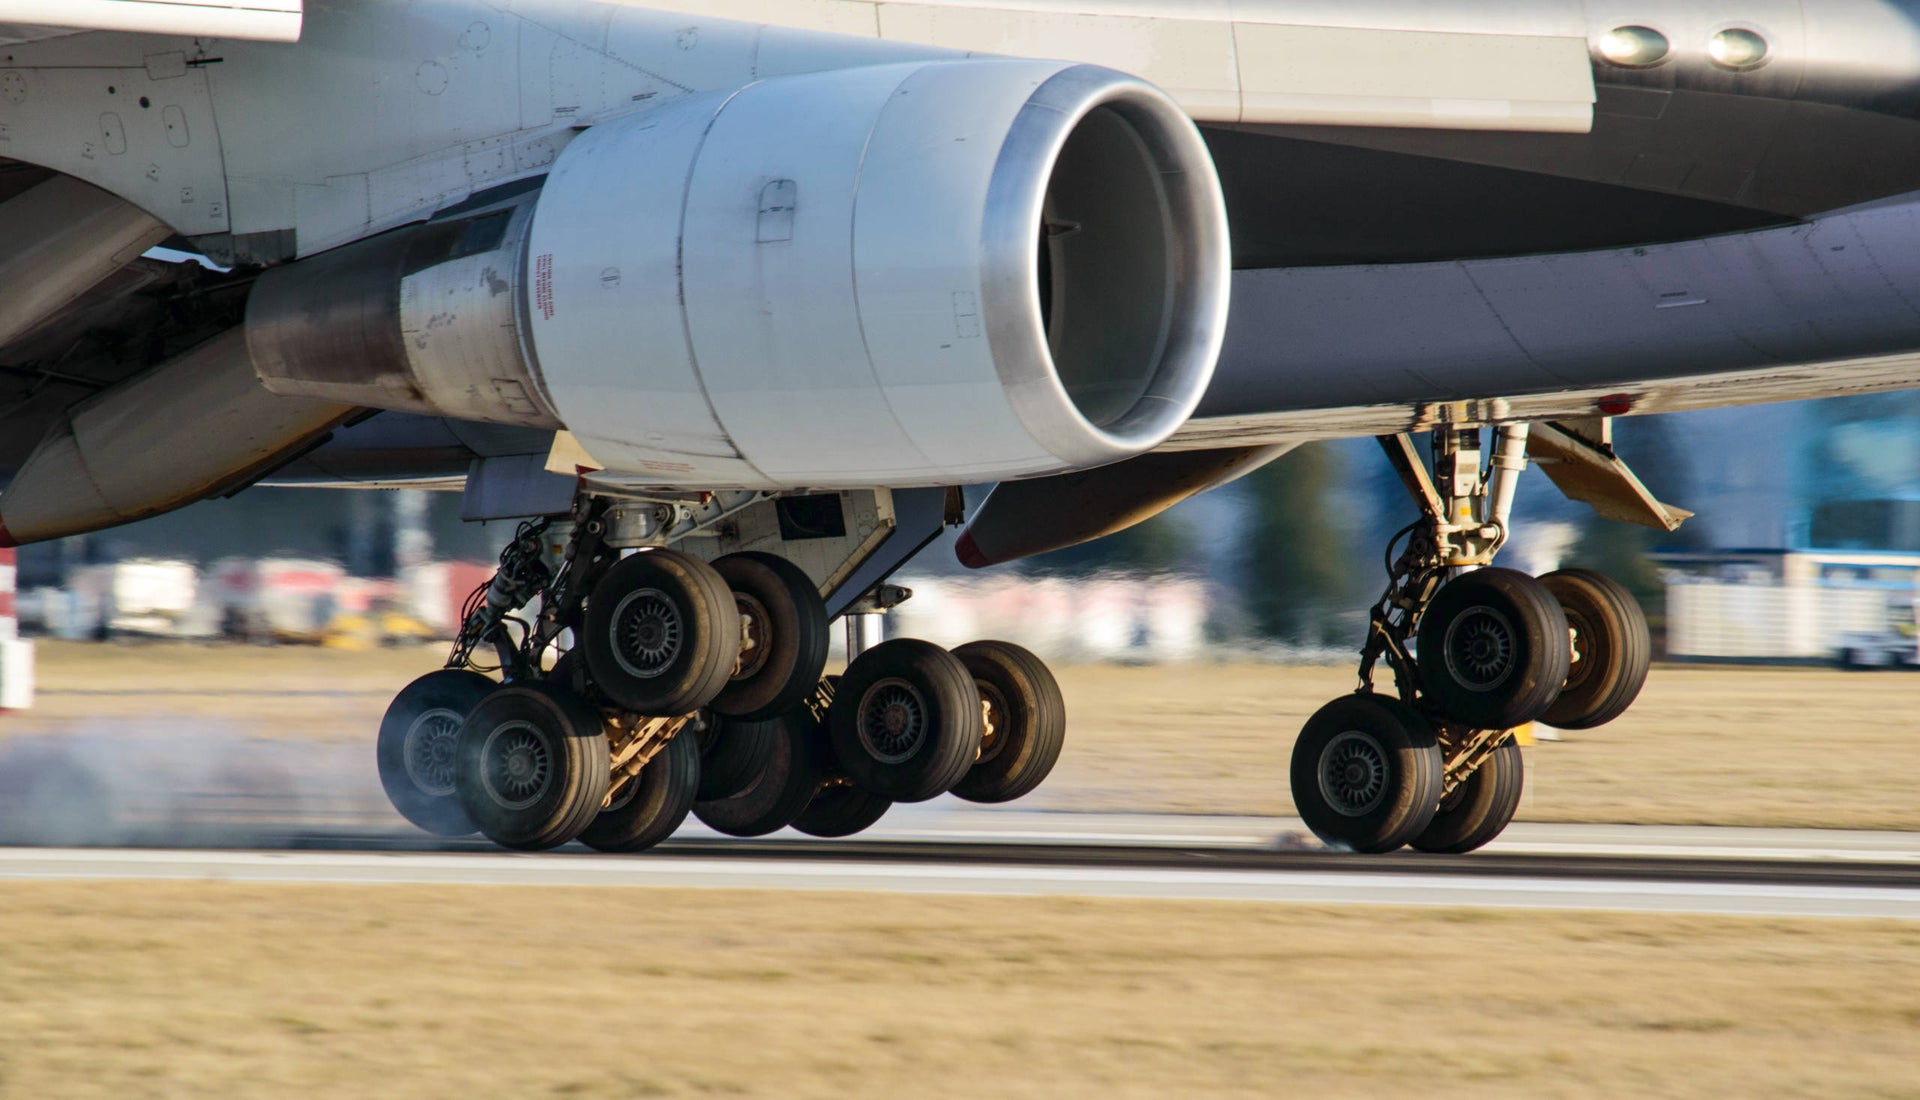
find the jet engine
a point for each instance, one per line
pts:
(915, 274)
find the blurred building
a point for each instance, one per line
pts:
(1810, 514)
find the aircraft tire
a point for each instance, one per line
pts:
(662, 633)
(1480, 808)
(733, 753)
(1366, 773)
(905, 721)
(652, 804)
(1614, 646)
(787, 621)
(415, 749)
(1494, 651)
(1029, 722)
(531, 765)
(841, 810)
(777, 796)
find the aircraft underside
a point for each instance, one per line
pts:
(725, 312)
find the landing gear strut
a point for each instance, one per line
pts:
(1474, 652)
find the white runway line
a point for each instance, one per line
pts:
(1732, 899)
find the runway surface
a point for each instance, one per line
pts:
(944, 848)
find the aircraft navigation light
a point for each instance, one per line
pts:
(1635, 47)
(1738, 49)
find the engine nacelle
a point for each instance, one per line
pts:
(917, 274)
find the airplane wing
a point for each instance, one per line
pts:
(263, 20)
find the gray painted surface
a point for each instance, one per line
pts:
(1846, 286)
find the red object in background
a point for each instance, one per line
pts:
(9, 572)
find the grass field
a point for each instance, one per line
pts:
(1737, 746)
(191, 990)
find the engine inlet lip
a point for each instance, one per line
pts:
(1201, 268)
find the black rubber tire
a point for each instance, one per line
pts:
(559, 729)
(733, 753)
(429, 713)
(780, 793)
(674, 675)
(1395, 802)
(1615, 646)
(566, 673)
(1031, 722)
(794, 630)
(650, 807)
(1479, 809)
(841, 810)
(929, 691)
(1523, 664)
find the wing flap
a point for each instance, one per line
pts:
(263, 20)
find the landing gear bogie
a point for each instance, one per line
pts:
(1474, 651)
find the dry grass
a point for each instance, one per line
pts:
(164, 990)
(1767, 747)
(1710, 746)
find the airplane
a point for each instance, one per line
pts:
(722, 300)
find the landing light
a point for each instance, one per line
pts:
(1738, 49)
(1635, 47)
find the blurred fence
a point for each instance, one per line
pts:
(1101, 618)
(1768, 622)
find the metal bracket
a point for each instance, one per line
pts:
(1578, 457)
(881, 599)
(665, 520)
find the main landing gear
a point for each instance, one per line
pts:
(694, 687)
(1474, 651)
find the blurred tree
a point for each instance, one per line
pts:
(1299, 577)
(1162, 544)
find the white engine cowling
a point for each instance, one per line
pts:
(920, 274)
(929, 273)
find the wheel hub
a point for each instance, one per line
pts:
(754, 638)
(1353, 774)
(1481, 649)
(647, 633)
(1580, 640)
(993, 720)
(892, 721)
(428, 751)
(516, 765)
